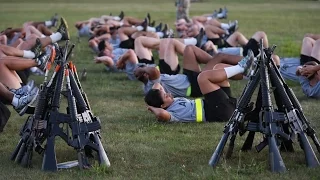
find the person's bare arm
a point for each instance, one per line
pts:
(161, 114)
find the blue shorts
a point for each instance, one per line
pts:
(84, 31)
(288, 68)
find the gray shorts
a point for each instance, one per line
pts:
(14, 39)
(231, 50)
(84, 31)
(288, 68)
(310, 91)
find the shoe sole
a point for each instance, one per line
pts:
(66, 24)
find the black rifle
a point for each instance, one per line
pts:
(47, 122)
(271, 123)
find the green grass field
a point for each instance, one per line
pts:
(138, 146)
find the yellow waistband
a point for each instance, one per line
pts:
(188, 91)
(198, 102)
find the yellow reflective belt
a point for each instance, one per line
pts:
(198, 102)
(158, 68)
(188, 91)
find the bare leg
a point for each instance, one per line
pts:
(192, 56)
(129, 56)
(222, 58)
(44, 30)
(3, 39)
(213, 31)
(125, 32)
(316, 50)
(209, 80)
(236, 39)
(307, 46)
(10, 51)
(142, 46)
(261, 35)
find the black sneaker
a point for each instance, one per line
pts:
(159, 27)
(37, 48)
(144, 24)
(43, 59)
(199, 37)
(55, 20)
(121, 15)
(152, 24)
(165, 31)
(149, 17)
(233, 27)
(63, 29)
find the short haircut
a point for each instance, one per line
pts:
(153, 98)
(101, 45)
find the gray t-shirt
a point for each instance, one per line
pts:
(177, 84)
(184, 110)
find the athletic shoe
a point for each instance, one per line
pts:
(54, 20)
(199, 37)
(121, 15)
(159, 27)
(37, 48)
(43, 59)
(152, 23)
(247, 63)
(63, 29)
(149, 17)
(144, 24)
(233, 27)
(165, 31)
(25, 100)
(23, 89)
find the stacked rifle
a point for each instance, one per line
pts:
(78, 127)
(280, 127)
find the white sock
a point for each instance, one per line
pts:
(116, 18)
(43, 36)
(15, 101)
(190, 41)
(28, 54)
(225, 26)
(151, 29)
(55, 37)
(48, 23)
(121, 23)
(209, 18)
(160, 34)
(139, 28)
(233, 70)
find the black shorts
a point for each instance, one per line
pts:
(127, 44)
(146, 61)
(253, 45)
(218, 106)
(193, 79)
(221, 43)
(166, 69)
